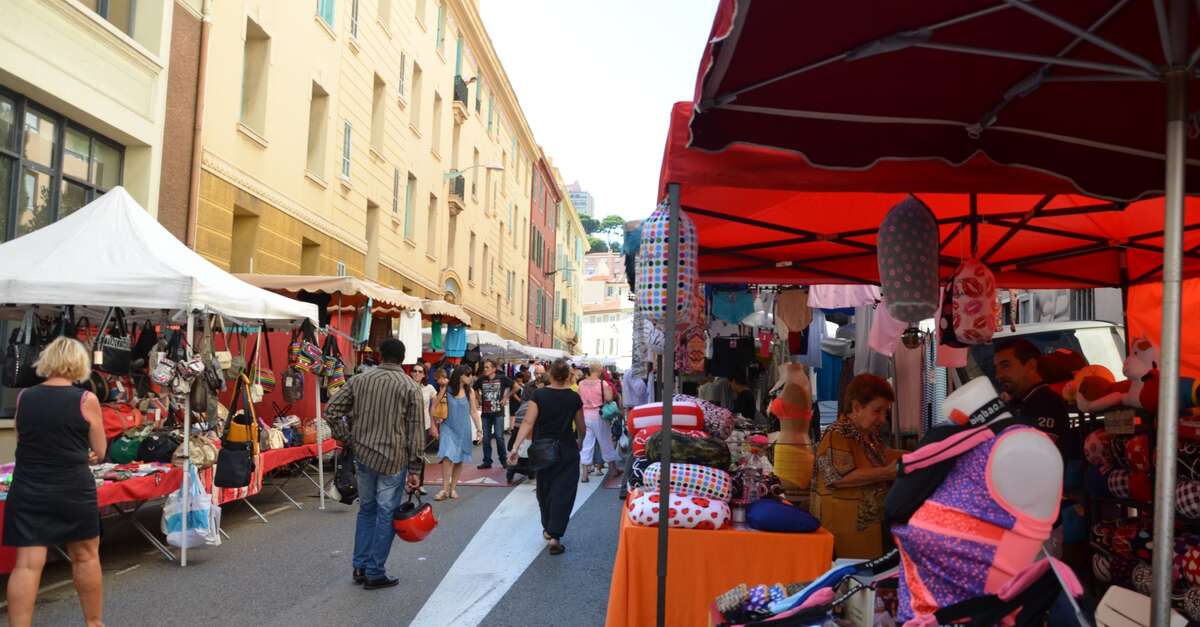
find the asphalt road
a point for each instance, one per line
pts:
(295, 570)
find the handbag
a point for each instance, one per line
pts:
(237, 363)
(200, 449)
(546, 452)
(224, 357)
(146, 341)
(266, 376)
(293, 384)
(24, 347)
(609, 411)
(333, 368)
(235, 461)
(309, 356)
(157, 447)
(113, 348)
(441, 410)
(124, 449)
(242, 426)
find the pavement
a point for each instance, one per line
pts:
(485, 564)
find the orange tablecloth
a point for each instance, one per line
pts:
(701, 565)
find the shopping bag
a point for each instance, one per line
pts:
(203, 517)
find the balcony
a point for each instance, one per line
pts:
(457, 203)
(460, 100)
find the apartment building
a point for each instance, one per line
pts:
(607, 309)
(542, 234)
(83, 91)
(374, 138)
(570, 241)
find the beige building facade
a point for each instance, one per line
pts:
(571, 244)
(374, 138)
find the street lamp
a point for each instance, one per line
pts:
(490, 166)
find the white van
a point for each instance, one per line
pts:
(1100, 343)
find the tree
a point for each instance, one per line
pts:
(597, 245)
(612, 228)
(590, 225)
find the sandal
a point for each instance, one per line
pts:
(557, 548)
(454, 494)
(547, 536)
(440, 496)
(584, 479)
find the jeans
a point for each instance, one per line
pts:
(378, 497)
(493, 428)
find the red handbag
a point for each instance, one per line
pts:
(118, 417)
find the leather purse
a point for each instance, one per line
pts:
(266, 376)
(202, 451)
(547, 452)
(113, 349)
(235, 465)
(293, 384)
(24, 347)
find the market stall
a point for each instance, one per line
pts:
(111, 256)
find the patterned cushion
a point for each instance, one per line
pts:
(653, 263)
(974, 303)
(685, 449)
(1118, 483)
(1096, 450)
(718, 421)
(1100, 567)
(1137, 453)
(1191, 603)
(689, 512)
(1187, 499)
(637, 471)
(1143, 578)
(643, 435)
(1189, 460)
(1191, 566)
(908, 261)
(683, 415)
(691, 480)
(1116, 445)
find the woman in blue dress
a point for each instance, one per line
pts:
(454, 433)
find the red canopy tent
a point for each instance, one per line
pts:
(767, 216)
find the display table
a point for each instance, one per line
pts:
(702, 564)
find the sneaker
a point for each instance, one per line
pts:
(360, 576)
(484, 466)
(379, 584)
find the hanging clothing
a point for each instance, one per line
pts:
(732, 305)
(791, 308)
(909, 388)
(410, 333)
(829, 377)
(865, 359)
(435, 336)
(764, 304)
(731, 355)
(456, 340)
(839, 296)
(809, 342)
(885, 331)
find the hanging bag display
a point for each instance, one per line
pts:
(113, 348)
(908, 261)
(266, 376)
(974, 303)
(653, 263)
(224, 356)
(23, 349)
(237, 363)
(235, 461)
(293, 384)
(163, 371)
(309, 356)
(147, 340)
(334, 368)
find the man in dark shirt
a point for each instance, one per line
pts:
(1016, 364)
(493, 390)
(744, 402)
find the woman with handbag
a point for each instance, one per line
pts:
(454, 433)
(60, 431)
(554, 419)
(596, 393)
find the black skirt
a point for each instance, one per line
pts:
(51, 505)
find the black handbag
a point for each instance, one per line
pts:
(235, 465)
(146, 341)
(24, 347)
(113, 344)
(344, 478)
(157, 447)
(546, 452)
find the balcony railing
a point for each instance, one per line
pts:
(458, 186)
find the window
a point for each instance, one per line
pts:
(437, 124)
(491, 106)
(522, 299)
(441, 25)
(431, 226)
(395, 191)
(475, 173)
(478, 90)
(471, 260)
(402, 80)
(452, 242)
(415, 120)
(318, 114)
(524, 240)
(486, 271)
(310, 256)
(458, 57)
(508, 287)
(504, 167)
(354, 18)
(421, 11)
(325, 10)
(346, 149)
(378, 109)
(612, 346)
(598, 344)
(57, 166)
(609, 292)
(255, 64)
(489, 195)
(385, 13)
(410, 200)
(540, 319)
(563, 306)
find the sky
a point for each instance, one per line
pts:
(596, 80)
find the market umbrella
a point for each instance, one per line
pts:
(769, 216)
(1078, 88)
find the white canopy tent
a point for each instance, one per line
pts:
(490, 345)
(111, 253)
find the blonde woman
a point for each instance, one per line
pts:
(60, 431)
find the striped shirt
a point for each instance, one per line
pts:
(382, 407)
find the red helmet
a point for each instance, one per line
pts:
(413, 521)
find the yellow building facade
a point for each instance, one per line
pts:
(374, 138)
(571, 245)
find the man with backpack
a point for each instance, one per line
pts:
(385, 425)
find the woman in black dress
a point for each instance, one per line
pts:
(555, 412)
(52, 501)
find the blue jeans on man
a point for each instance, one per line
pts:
(493, 429)
(378, 497)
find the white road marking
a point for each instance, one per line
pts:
(507, 543)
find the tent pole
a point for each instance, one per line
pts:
(187, 433)
(320, 444)
(668, 378)
(1168, 407)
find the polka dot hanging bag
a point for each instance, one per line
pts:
(653, 265)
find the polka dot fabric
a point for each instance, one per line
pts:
(653, 265)
(692, 480)
(908, 261)
(686, 512)
(1137, 453)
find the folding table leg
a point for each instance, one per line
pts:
(254, 509)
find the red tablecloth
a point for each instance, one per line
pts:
(137, 489)
(275, 458)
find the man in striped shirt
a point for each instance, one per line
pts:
(384, 423)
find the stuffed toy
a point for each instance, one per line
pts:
(1089, 382)
(1140, 390)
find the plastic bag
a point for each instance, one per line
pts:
(203, 517)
